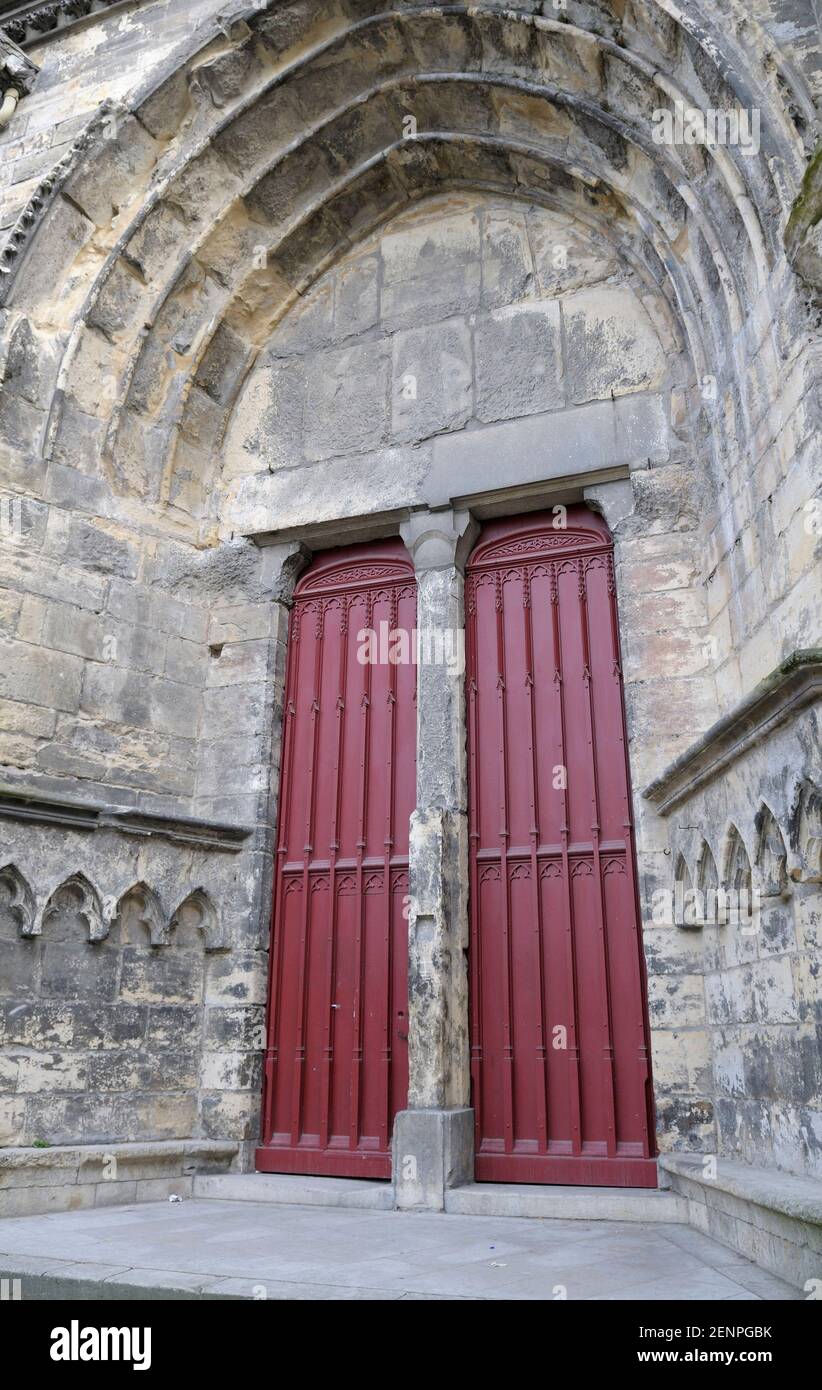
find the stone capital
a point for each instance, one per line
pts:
(439, 539)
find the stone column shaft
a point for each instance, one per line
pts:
(433, 1139)
(438, 1037)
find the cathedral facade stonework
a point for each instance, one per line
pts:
(284, 278)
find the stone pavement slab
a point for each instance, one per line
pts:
(207, 1249)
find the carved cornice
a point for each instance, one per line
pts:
(795, 683)
(76, 815)
(17, 71)
(33, 22)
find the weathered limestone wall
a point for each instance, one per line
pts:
(81, 69)
(131, 1004)
(463, 313)
(744, 993)
(761, 567)
(147, 1008)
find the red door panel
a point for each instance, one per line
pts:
(336, 1067)
(559, 1030)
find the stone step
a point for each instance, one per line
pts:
(294, 1189)
(68, 1177)
(563, 1203)
(763, 1214)
(474, 1199)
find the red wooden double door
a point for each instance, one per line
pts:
(559, 1032)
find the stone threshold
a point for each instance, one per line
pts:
(74, 1177)
(294, 1189)
(772, 1218)
(260, 1250)
(472, 1199)
(566, 1203)
(796, 682)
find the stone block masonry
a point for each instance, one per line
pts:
(395, 398)
(283, 277)
(739, 1002)
(130, 1004)
(63, 1178)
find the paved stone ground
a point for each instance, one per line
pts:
(216, 1249)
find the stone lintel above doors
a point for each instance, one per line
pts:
(500, 469)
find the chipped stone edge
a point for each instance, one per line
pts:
(44, 1279)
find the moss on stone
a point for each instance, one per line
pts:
(807, 209)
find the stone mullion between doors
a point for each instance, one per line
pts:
(433, 1138)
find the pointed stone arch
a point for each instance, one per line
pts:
(735, 863)
(197, 913)
(707, 885)
(736, 881)
(687, 912)
(150, 917)
(84, 899)
(771, 856)
(21, 902)
(707, 875)
(806, 833)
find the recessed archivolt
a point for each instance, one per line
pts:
(309, 156)
(207, 398)
(177, 390)
(519, 44)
